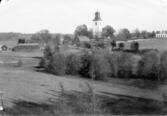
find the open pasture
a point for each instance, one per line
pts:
(160, 44)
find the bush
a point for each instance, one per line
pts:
(58, 64)
(112, 61)
(48, 52)
(47, 59)
(99, 44)
(134, 46)
(87, 45)
(42, 63)
(100, 65)
(73, 64)
(149, 66)
(144, 51)
(121, 46)
(113, 44)
(163, 65)
(85, 64)
(124, 65)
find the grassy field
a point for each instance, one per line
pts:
(160, 44)
(24, 84)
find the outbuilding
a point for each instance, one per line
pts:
(3, 48)
(28, 47)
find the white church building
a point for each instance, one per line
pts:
(97, 25)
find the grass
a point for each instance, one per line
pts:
(159, 44)
(79, 103)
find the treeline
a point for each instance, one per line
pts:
(101, 64)
(9, 36)
(14, 36)
(109, 32)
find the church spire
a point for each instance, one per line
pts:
(97, 25)
(97, 16)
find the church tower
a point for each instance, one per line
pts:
(97, 25)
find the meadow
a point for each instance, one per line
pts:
(153, 43)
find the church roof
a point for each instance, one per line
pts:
(83, 39)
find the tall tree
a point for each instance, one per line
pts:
(124, 34)
(81, 30)
(45, 35)
(42, 36)
(144, 34)
(113, 44)
(108, 31)
(153, 34)
(136, 33)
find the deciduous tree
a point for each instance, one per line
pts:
(108, 31)
(81, 30)
(124, 34)
(113, 44)
(134, 46)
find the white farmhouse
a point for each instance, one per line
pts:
(161, 34)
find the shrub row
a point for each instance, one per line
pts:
(99, 64)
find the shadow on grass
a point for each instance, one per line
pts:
(74, 102)
(132, 105)
(22, 107)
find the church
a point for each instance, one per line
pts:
(97, 25)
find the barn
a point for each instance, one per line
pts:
(28, 47)
(81, 40)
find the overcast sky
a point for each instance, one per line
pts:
(64, 15)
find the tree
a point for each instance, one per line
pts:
(21, 41)
(136, 33)
(100, 44)
(153, 34)
(144, 34)
(134, 46)
(68, 39)
(42, 36)
(113, 44)
(124, 34)
(76, 41)
(90, 34)
(121, 46)
(149, 66)
(45, 36)
(56, 39)
(81, 30)
(108, 31)
(35, 38)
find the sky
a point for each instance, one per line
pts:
(62, 16)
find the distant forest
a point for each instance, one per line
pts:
(13, 36)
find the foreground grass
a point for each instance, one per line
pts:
(87, 103)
